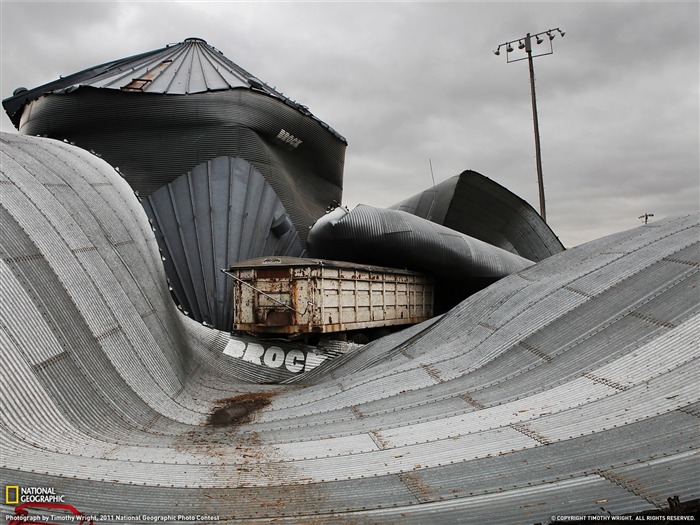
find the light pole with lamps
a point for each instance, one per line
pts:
(526, 44)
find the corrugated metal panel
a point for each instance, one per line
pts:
(544, 394)
(42, 419)
(41, 344)
(553, 401)
(479, 207)
(460, 264)
(666, 352)
(658, 478)
(535, 504)
(191, 66)
(271, 360)
(393, 238)
(149, 138)
(221, 212)
(578, 457)
(114, 109)
(375, 353)
(660, 394)
(84, 316)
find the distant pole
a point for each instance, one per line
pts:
(646, 217)
(536, 124)
(526, 44)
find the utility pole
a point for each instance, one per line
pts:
(526, 44)
(646, 217)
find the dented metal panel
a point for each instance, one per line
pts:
(459, 264)
(223, 210)
(228, 167)
(294, 296)
(214, 108)
(566, 389)
(475, 205)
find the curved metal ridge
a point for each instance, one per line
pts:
(567, 388)
(398, 239)
(477, 206)
(459, 264)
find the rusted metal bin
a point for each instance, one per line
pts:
(292, 296)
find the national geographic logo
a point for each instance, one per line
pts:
(11, 494)
(14, 495)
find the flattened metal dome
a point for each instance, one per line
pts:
(568, 388)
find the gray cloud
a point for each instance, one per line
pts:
(408, 82)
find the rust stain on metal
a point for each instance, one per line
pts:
(279, 317)
(273, 273)
(379, 440)
(523, 428)
(357, 412)
(301, 296)
(473, 402)
(433, 373)
(417, 487)
(634, 485)
(239, 409)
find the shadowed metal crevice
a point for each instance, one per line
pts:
(222, 211)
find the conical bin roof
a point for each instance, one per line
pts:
(188, 67)
(191, 66)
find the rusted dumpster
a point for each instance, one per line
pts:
(293, 296)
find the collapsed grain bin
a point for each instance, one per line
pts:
(460, 264)
(183, 123)
(475, 205)
(229, 169)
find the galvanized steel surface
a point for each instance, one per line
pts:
(459, 264)
(223, 210)
(154, 139)
(170, 120)
(150, 138)
(397, 239)
(566, 388)
(481, 208)
(190, 66)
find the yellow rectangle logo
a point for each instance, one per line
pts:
(11, 494)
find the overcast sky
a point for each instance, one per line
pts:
(406, 82)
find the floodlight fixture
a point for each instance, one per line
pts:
(550, 35)
(539, 40)
(509, 48)
(521, 45)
